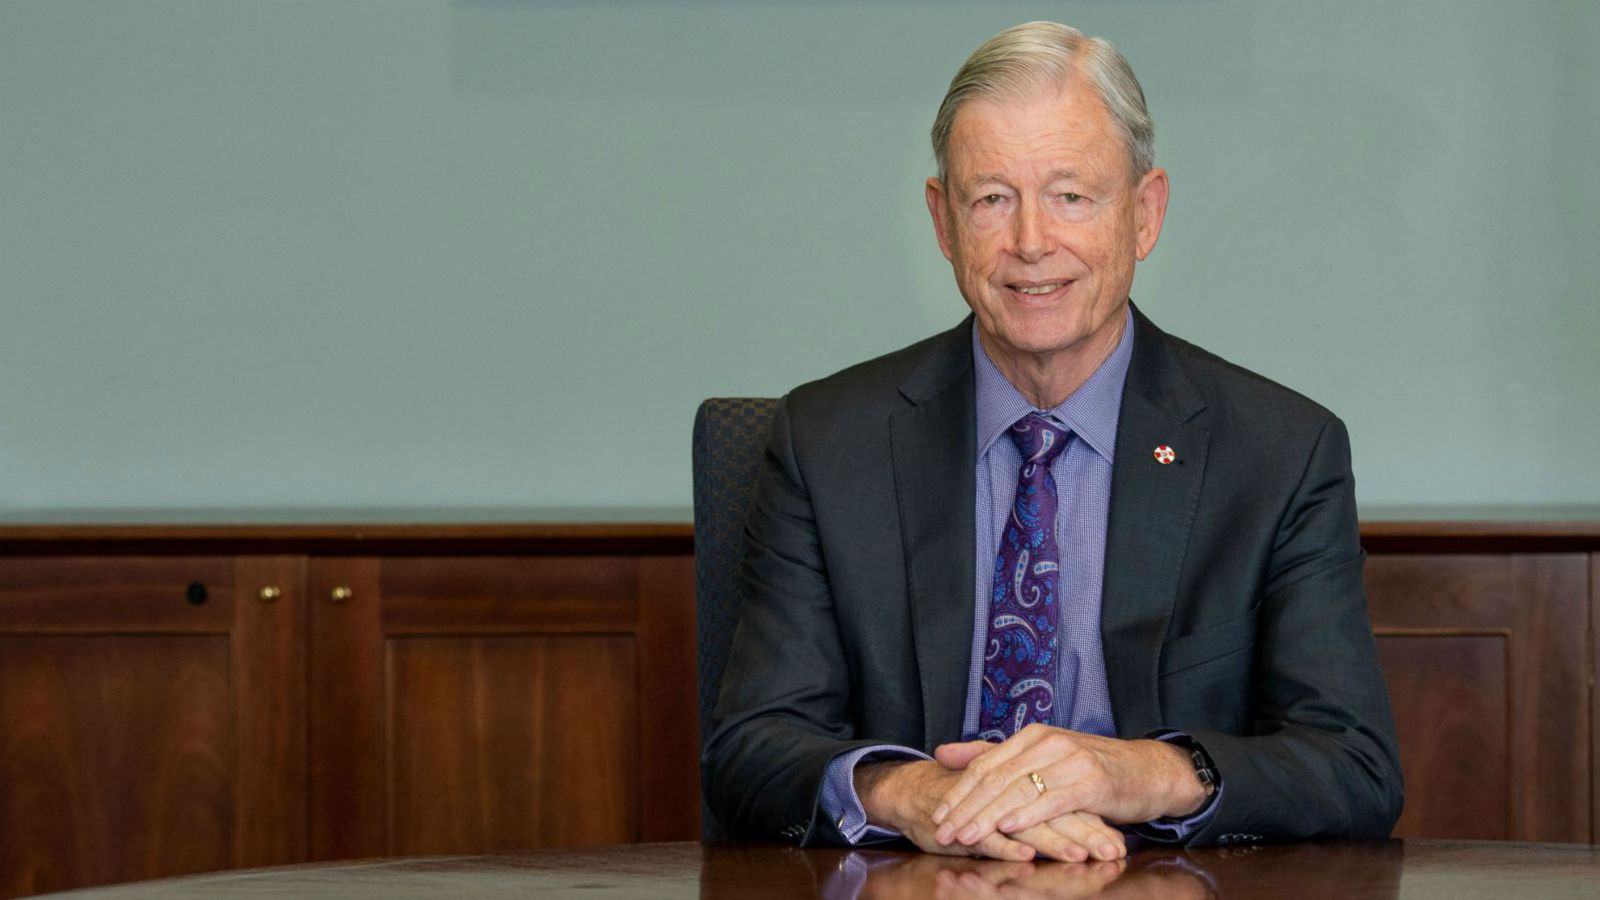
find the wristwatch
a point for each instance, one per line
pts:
(1204, 769)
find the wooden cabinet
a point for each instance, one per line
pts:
(1487, 660)
(152, 717)
(408, 689)
(465, 704)
(266, 696)
(1486, 634)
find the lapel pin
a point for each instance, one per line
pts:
(1165, 455)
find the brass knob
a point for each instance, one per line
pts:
(270, 593)
(340, 594)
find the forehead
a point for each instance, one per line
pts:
(1058, 127)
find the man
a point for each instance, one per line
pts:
(1103, 577)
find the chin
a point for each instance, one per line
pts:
(1046, 340)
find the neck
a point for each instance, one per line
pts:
(1046, 379)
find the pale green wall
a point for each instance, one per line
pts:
(491, 254)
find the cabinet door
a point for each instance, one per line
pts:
(1486, 660)
(472, 704)
(151, 718)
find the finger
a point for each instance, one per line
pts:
(1053, 843)
(1063, 794)
(1114, 844)
(1009, 787)
(999, 846)
(1090, 832)
(960, 755)
(976, 767)
(986, 776)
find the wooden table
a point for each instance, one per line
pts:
(1457, 870)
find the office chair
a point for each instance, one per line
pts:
(729, 433)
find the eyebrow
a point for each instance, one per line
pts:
(1055, 175)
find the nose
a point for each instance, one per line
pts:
(1028, 236)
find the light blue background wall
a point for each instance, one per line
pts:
(491, 254)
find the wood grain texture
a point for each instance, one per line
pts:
(347, 767)
(115, 593)
(116, 759)
(1451, 693)
(497, 610)
(506, 742)
(668, 721)
(1539, 603)
(1321, 870)
(509, 594)
(355, 535)
(269, 684)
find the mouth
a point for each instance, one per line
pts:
(1035, 291)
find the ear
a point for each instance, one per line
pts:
(1150, 209)
(934, 191)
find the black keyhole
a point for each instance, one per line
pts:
(195, 593)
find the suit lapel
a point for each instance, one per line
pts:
(933, 444)
(1152, 513)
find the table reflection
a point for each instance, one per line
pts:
(1303, 871)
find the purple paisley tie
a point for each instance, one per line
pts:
(1020, 657)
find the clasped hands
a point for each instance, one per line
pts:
(977, 798)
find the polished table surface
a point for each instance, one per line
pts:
(1413, 869)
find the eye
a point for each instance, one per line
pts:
(991, 200)
(1070, 197)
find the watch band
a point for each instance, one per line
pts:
(1204, 769)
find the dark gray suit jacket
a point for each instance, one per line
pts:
(1233, 605)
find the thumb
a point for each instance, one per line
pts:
(960, 755)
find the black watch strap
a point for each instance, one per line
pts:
(1204, 768)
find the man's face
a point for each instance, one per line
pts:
(1042, 220)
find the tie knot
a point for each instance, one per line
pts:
(1039, 439)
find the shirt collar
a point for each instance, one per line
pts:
(1091, 411)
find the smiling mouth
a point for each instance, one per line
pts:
(1040, 289)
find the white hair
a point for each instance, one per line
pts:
(1040, 55)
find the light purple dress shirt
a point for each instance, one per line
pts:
(1083, 472)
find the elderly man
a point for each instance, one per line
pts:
(1109, 581)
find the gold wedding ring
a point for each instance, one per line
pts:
(1037, 781)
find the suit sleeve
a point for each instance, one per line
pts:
(1321, 759)
(783, 712)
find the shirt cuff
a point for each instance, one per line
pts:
(838, 799)
(1174, 830)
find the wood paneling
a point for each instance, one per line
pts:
(670, 774)
(1451, 694)
(515, 685)
(501, 742)
(509, 594)
(1436, 617)
(452, 697)
(116, 759)
(270, 712)
(149, 728)
(346, 741)
(116, 593)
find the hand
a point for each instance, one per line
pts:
(901, 795)
(1074, 837)
(1120, 781)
